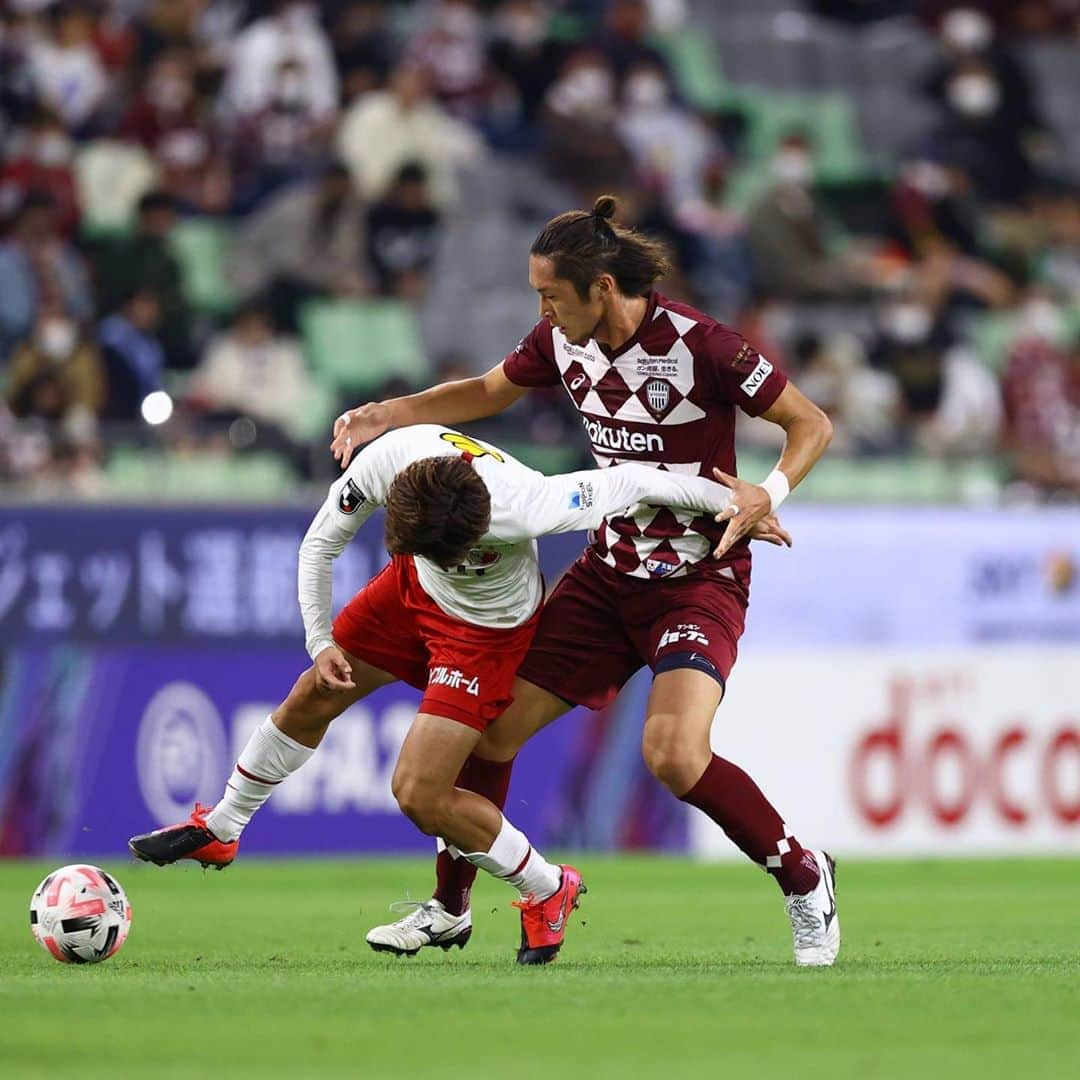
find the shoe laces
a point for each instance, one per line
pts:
(420, 912)
(806, 924)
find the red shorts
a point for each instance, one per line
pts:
(600, 626)
(465, 671)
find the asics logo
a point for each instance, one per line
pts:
(577, 381)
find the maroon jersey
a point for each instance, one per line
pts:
(667, 398)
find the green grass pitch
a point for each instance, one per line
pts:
(671, 969)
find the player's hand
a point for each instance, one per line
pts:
(749, 505)
(771, 531)
(333, 671)
(357, 426)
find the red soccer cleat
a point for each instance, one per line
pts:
(543, 922)
(189, 840)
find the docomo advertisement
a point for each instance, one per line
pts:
(951, 752)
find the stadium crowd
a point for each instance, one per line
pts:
(192, 190)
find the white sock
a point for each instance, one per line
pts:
(269, 756)
(512, 858)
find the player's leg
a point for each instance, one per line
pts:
(430, 761)
(487, 772)
(279, 746)
(694, 649)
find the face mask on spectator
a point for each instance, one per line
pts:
(928, 179)
(907, 322)
(793, 167)
(646, 90)
(52, 149)
(582, 90)
(57, 338)
(1042, 318)
(974, 94)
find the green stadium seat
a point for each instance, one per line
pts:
(132, 473)
(200, 246)
(697, 69)
(357, 345)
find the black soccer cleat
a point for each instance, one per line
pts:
(189, 840)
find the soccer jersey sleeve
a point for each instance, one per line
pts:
(578, 501)
(739, 374)
(532, 363)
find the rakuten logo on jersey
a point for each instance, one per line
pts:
(606, 437)
(452, 677)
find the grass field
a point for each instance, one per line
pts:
(671, 969)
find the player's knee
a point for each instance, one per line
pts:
(420, 802)
(669, 756)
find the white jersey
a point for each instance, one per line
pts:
(500, 585)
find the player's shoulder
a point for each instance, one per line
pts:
(700, 331)
(539, 338)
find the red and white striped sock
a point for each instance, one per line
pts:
(512, 858)
(268, 758)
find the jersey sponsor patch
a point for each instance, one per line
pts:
(582, 498)
(744, 358)
(469, 446)
(351, 498)
(753, 382)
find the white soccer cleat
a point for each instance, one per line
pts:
(427, 923)
(815, 926)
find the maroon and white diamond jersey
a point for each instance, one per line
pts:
(666, 398)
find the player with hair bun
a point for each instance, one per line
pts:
(657, 383)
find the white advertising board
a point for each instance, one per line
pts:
(876, 752)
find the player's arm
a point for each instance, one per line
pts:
(448, 403)
(808, 431)
(572, 502)
(347, 507)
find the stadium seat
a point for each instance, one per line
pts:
(697, 69)
(200, 246)
(133, 473)
(357, 345)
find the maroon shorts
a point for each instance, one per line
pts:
(465, 671)
(600, 626)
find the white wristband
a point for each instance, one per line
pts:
(776, 484)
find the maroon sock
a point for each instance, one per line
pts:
(454, 877)
(736, 804)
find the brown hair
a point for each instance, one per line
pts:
(584, 245)
(437, 507)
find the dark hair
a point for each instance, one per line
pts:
(437, 507)
(584, 245)
(155, 200)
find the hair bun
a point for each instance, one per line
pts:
(604, 208)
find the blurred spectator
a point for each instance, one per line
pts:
(44, 164)
(670, 145)
(250, 371)
(364, 46)
(56, 372)
(112, 176)
(16, 78)
(860, 12)
(307, 241)
(386, 129)
(403, 235)
(133, 357)
(166, 102)
(38, 270)
(1055, 213)
(787, 234)
(289, 32)
(451, 50)
(146, 259)
(283, 141)
(67, 73)
(523, 54)
(951, 403)
(1041, 386)
(581, 143)
(990, 120)
(624, 37)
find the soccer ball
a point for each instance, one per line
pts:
(80, 914)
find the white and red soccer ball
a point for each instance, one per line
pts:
(80, 914)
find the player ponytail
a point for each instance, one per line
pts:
(583, 245)
(437, 507)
